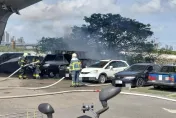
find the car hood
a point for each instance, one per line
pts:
(127, 73)
(89, 69)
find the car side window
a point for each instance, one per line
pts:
(156, 68)
(117, 64)
(150, 68)
(113, 64)
(121, 64)
(172, 69)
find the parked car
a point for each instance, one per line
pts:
(52, 63)
(12, 65)
(136, 75)
(165, 77)
(102, 70)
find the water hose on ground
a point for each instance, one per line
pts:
(44, 94)
(48, 86)
(37, 88)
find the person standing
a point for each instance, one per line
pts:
(75, 68)
(36, 65)
(22, 62)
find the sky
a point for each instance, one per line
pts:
(52, 18)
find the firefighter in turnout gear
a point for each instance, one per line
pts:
(75, 68)
(22, 62)
(36, 65)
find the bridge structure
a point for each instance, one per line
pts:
(8, 7)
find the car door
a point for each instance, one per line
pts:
(108, 70)
(117, 67)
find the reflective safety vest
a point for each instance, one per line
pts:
(75, 65)
(37, 61)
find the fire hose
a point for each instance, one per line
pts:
(45, 94)
(71, 91)
(48, 86)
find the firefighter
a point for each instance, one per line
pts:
(36, 66)
(75, 67)
(22, 62)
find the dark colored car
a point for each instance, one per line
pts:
(11, 65)
(136, 75)
(54, 64)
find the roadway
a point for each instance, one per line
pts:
(69, 105)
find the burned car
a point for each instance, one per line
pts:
(53, 64)
(12, 65)
(56, 64)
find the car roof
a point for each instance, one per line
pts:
(169, 65)
(145, 64)
(112, 60)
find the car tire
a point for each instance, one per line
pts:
(102, 79)
(140, 82)
(51, 74)
(156, 87)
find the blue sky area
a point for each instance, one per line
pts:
(52, 18)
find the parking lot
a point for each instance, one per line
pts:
(69, 104)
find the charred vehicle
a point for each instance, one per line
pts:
(53, 64)
(56, 64)
(11, 65)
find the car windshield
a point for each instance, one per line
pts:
(99, 64)
(137, 68)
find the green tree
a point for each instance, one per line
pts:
(118, 33)
(51, 44)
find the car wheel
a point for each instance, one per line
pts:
(140, 82)
(102, 79)
(51, 74)
(156, 87)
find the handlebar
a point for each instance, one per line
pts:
(104, 95)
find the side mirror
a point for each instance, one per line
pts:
(110, 67)
(47, 109)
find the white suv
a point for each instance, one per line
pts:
(102, 70)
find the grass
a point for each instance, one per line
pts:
(10, 49)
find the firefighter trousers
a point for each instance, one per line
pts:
(75, 78)
(22, 74)
(36, 73)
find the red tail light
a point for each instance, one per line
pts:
(171, 79)
(151, 78)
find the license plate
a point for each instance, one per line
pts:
(160, 77)
(128, 85)
(118, 82)
(67, 75)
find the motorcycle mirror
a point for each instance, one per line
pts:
(47, 109)
(108, 93)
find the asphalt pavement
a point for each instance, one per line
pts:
(69, 105)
